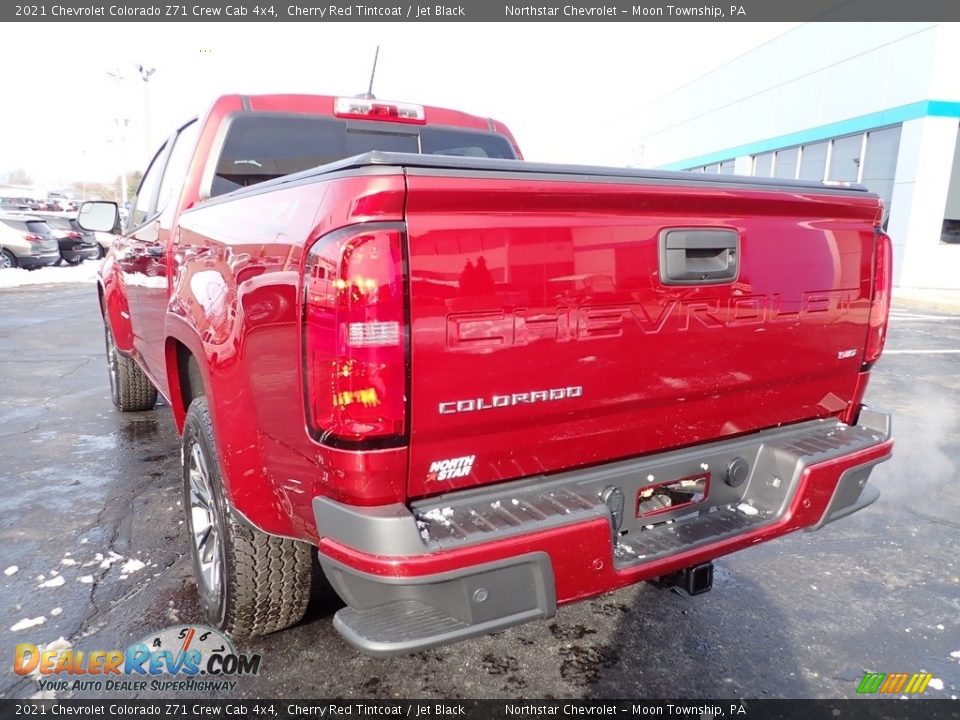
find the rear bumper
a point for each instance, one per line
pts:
(480, 560)
(30, 262)
(86, 252)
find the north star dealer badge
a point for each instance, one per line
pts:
(451, 468)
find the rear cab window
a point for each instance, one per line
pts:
(261, 146)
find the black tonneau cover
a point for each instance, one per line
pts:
(416, 164)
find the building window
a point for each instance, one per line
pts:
(813, 161)
(880, 164)
(845, 159)
(763, 165)
(786, 163)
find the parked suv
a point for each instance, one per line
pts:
(26, 241)
(76, 244)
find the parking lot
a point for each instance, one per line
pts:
(92, 496)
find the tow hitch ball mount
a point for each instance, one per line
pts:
(696, 580)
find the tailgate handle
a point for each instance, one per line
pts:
(698, 256)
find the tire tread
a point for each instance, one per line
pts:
(268, 577)
(135, 390)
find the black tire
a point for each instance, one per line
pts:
(130, 388)
(7, 259)
(75, 261)
(101, 253)
(264, 581)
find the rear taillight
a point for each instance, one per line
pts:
(30, 237)
(355, 337)
(367, 109)
(880, 300)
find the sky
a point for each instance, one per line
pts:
(568, 91)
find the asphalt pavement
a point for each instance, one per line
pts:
(92, 496)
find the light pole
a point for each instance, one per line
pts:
(122, 127)
(121, 123)
(145, 74)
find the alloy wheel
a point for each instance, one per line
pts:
(203, 521)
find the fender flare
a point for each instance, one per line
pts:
(178, 330)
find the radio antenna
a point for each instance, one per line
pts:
(369, 95)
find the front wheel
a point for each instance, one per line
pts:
(7, 259)
(74, 261)
(130, 388)
(250, 583)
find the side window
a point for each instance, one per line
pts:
(177, 164)
(145, 201)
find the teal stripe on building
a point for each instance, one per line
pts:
(870, 121)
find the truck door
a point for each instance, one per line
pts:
(131, 249)
(154, 292)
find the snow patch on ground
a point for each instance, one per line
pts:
(68, 561)
(57, 646)
(56, 611)
(28, 623)
(107, 562)
(85, 272)
(53, 582)
(86, 579)
(131, 566)
(936, 684)
(10, 570)
(955, 654)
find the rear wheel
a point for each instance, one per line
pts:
(74, 261)
(249, 583)
(130, 388)
(7, 259)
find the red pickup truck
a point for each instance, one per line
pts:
(481, 387)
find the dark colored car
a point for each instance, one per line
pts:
(76, 244)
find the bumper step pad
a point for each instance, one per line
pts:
(775, 458)
(670, 538)
(390, 614)
(397, 625)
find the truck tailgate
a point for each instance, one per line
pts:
(544, 338)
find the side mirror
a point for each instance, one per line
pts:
(99, 216)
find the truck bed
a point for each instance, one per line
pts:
(542, 334)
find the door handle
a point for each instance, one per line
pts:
(699, 256)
